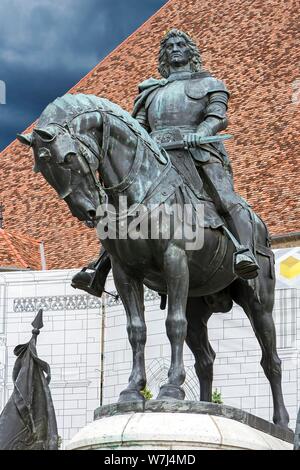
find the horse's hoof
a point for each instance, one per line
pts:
(284, 426)
(130, 395)
(282, 422)
(171, 392)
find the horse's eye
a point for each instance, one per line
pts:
(68, 158)
(44, 154)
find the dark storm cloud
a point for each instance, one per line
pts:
(47, 46)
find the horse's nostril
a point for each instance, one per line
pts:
(92, 214)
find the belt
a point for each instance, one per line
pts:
(171, 134)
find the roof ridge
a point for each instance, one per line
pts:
(25, 237)
(8, 241)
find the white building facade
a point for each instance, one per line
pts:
(84, 340)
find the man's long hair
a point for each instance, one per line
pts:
(163, 66)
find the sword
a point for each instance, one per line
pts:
(180, 144)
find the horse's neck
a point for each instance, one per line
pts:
(122, 157)
(119, 146)
(89, 127)
(111, 139)
(130, 168)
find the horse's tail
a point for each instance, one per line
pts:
(262, 235)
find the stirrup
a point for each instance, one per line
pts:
(244, 264)
(84, 280)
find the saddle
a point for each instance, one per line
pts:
(193, 190)
(199, 186)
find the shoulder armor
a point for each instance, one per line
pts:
(197, 88)
(146, 88)
(151, 82)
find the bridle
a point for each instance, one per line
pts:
(85, 146)
(83, 152)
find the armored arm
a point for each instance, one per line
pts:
(141, 117)
(215, 115)
(215, 119)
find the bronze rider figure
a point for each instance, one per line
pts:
(188, 103)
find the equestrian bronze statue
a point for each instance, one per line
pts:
(167, 155)
(188, 102)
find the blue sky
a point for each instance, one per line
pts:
(47, 46)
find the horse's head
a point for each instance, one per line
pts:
(67, 166)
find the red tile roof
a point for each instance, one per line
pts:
(19, 251)
(252, 46)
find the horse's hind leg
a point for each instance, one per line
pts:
(198, 314)
(177, 277)
(197, 339)
(260, 316)
(132, 294)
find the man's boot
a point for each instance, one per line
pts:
(238, 227)
(245, 264)
(92, 278)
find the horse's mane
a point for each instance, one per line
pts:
(67, 107)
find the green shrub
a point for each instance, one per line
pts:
(217, 397)
(147, 394)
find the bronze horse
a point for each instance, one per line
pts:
(79, 136)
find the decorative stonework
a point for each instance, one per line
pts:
(71, 302)
(55, 303)
(113, 300)
(157, 372)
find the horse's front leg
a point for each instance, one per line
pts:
(132, 294)
(177, 277)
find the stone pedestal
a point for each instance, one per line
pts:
(179, 425)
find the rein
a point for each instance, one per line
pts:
(141, 142)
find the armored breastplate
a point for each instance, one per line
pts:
(172, 106)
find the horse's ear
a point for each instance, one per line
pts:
(25, 139)
(35, 168)
(44, 134)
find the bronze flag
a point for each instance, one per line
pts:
(28, 420)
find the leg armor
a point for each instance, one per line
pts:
(229, 205)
